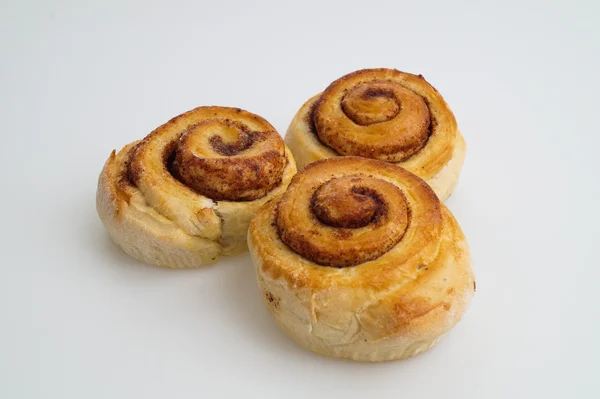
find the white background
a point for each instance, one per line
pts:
(79, 319)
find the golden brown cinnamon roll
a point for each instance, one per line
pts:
(360, 260)
(186, 193)
(382, 114)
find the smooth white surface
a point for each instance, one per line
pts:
(79, 319)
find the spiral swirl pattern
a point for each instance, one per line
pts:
(203, 174)
(360, 216)
(382, 114)
(378, 119)
(359, 259)
(225, 160)
(333, 215)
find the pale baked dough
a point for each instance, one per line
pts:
(438, 162)
(165, 223)
(391, 307)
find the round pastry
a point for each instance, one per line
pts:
(359, 259)
(382, 114)
(186, 193)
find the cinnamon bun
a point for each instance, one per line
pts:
(359, 259)
(186, 193)
(382, 114)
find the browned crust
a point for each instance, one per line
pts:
(124, 188)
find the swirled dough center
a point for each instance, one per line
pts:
(339, 204)
(341, 221)
(369, 104)
(225, 160)
(373, 114)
